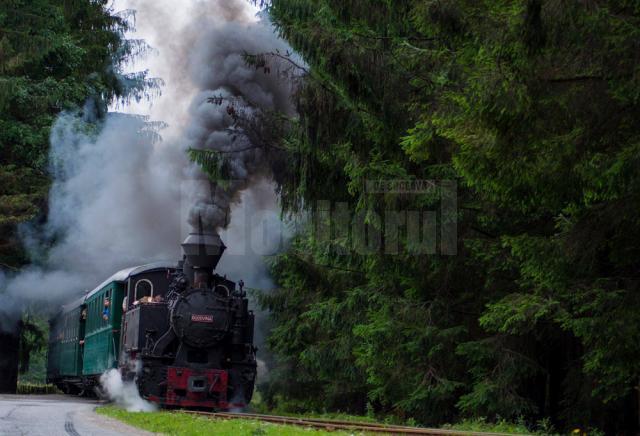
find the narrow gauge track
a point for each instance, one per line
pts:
(330, 424)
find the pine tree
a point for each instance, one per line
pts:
(530, 107)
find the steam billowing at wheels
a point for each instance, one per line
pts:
(182, 333)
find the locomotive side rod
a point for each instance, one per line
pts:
(329, 424)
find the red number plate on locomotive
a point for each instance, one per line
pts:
(202, 318)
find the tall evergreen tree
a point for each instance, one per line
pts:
(55, 55)
(530, 107)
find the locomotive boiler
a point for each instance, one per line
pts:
(181, 332)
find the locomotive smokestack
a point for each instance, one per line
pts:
(202, 252)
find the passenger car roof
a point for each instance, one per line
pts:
(120, 276)
(124, 274)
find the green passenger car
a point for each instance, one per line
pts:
(84, 338)
(70, 349)
(102, 337)
(65, 342)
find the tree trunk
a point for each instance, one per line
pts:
(9, 347)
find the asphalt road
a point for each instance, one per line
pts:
(54, 415)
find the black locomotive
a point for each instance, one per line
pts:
(183, 333)
(196, 348)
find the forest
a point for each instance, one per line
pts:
(524, 309)
(55, 56)
(531, 107)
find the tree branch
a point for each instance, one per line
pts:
(4, 265)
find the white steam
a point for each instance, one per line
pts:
(124, 394)
(118, 197)
(110, 206)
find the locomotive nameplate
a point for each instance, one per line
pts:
(202, 318)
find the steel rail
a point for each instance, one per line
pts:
(331, 424)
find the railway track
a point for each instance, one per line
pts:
(330, 424)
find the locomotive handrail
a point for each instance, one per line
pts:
(135, 289)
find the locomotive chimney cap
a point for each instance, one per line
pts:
(203, 249)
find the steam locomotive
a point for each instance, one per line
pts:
(182, 333)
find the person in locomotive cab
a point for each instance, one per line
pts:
(105, 311)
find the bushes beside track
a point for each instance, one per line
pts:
(37, 389)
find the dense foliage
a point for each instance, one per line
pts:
(531, 107)
(55, 55)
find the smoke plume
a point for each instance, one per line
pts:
(108, 208)
(118, 197)
(220, 72)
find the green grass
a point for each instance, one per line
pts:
(326, 415)
(177, 423)
(491, 427)
(258, 406)
(542, 428)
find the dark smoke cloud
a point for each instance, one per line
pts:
(201, 47)
(117, 198)
(220, 70)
